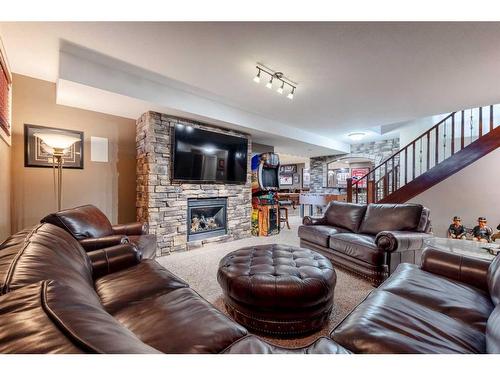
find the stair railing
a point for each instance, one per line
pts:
(450, 135)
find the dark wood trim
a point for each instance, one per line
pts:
(462, 131)
(453, 134)
(461, 159)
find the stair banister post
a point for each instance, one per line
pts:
(349, 190)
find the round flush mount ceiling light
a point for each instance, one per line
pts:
(286, 83)
(356, 136)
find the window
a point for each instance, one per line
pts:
(5, 94)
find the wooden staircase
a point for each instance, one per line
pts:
(452, 144)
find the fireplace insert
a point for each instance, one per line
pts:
(206, 217)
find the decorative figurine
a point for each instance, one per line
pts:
(496, 235)
(482, 232)
(456, 229)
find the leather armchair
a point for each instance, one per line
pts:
(94, 231)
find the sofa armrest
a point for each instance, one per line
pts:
(310, 220)
(114, 258)
(90, 244)
(391, 241)
(468, 270)
(131, 229)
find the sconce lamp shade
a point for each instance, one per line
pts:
(57, 141)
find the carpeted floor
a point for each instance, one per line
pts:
(199, 268)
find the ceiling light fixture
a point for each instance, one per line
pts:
(356, 136)
(279, 77)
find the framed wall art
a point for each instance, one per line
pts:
(38, 154)
(306, 178)
(5, 97)
(290, 168)
(286, 179)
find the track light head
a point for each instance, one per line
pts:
(280, 89)
(290, 95)
(269, 84)
(256, 79)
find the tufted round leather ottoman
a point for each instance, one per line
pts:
(277, 289)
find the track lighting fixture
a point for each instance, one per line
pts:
(279, 77)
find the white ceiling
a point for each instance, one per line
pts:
(351, 76)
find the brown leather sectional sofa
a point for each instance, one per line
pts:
(57, 298)
(93, 230)
(370, 241)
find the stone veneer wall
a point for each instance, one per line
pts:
(379, 150)
(163, 204)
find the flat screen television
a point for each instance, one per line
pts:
(206, 156)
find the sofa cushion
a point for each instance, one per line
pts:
(133, 284)
(493, 332)
(387, 323)
(48, 317)
(391, 217)
(456, 300)
(44, 252)
(82, 222)
(180, 322)
(493, 279)
(359, 246)
(318, 234)
(345, 215)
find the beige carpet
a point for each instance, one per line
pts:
(199, 268)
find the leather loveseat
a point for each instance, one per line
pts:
(370, 241)
(93, 230)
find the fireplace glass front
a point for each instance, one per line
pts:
(206, 218)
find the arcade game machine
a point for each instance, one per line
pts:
(265, 186)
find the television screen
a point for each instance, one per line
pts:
(202, 155)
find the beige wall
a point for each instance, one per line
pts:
(4, 190)
(473, 192)
(110, 186)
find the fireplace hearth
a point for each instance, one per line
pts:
(206, 217)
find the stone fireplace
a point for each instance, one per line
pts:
(206, 218)
(167, 205)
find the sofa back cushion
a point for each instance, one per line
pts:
(493, 332)
(493, 279)
(392, 217)
(82, 222)
(345, 215)
(49, 317)
(44, 252)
